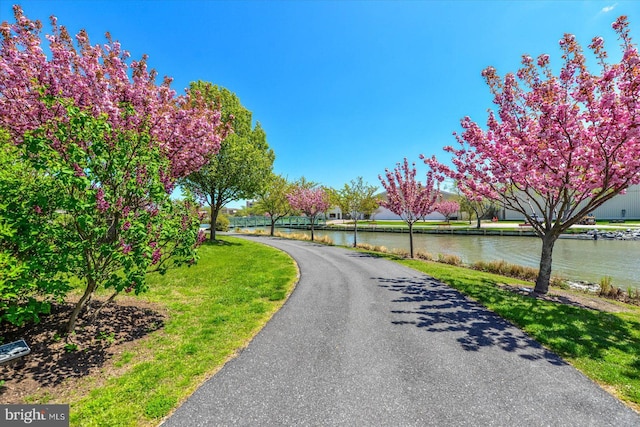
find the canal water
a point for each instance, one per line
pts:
(573, 259)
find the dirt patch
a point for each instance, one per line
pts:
(582, 300)
(57, 363)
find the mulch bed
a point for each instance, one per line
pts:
(56, 361)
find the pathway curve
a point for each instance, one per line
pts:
(364, 341)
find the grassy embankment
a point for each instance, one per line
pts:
(215, 308)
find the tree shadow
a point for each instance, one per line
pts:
(55, 358)
(219, 242)
(437, 308)
(365, 255)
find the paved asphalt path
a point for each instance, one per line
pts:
(363, 341)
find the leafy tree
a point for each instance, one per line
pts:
(560, 145)
(356, 199)
(242, 165)
(116, 208)
(311, 201)
(478, 207)
(447, 208)
(407, 196)
(28, 249)
(101, 145)
(272, 199)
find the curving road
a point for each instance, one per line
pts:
(364, 341)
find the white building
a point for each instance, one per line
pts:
(621, 207)
(384, 214)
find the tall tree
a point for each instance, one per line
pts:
(272, 199)
(407, 196)
(114, 142)
(242, 165)
(310, 201)
(560, 145)
(356, 199)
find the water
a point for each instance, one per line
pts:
(588, 260)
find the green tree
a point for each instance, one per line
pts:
(28, 246)
(243, 164)
(477, 207)
(357, 199)
(97, 211)
(272, 199)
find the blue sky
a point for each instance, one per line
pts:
(342, 88)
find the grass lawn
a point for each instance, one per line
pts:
(214, 308)
(604, 346)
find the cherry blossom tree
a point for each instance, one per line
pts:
(447, 208)
(310, 201)
(109, 144)
(407, 196)
(98, 78)
(560, 145)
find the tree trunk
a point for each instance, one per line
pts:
(273, 226)
(91, 287)
(411, 239)
(214, 219)
(544, 275)
(478, 223)
(312, 221)
(355, 233)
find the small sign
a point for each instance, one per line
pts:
(34, 415)
(13, 350)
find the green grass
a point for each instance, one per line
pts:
(215, 308)
(604, 346)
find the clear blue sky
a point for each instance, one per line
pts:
(342, 88)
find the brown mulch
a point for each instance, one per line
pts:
(56, 363)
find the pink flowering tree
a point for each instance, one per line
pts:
(310, 201)
(447, 208)
(560, 145)
(109, 144)
(407, 196)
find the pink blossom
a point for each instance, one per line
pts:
(157, 254)
(311, 201)
(101, 204)
(79, 172)
(97, 77)
(408, 197)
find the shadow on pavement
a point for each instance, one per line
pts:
(435, 307)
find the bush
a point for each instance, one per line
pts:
(424, 255)
(222, 223)
(450, 259)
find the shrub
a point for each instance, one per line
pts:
(424, 255)
(222, 223)
(450, 259)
